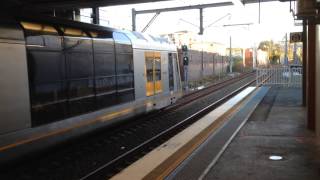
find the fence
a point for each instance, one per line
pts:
(283, 76)
(203, 64)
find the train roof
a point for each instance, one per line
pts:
(62, 22)
(146, 41)
(139, 40)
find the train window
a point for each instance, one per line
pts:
(105, 84)
(47, 73)
(125, 81)
(77, 44)
(124, 70)
(46, 66)
(103, 45)
(149, 66)
(125, 78)
(157, 69)
(104, 64)
(80, 88)
(124, 64)
(79, 65)
(100, 34)
(170, 69)
(120, 37)
(105, 72)
(47, 93)
(125, 88)
(157, 72)
(123, 48)
(46, 29)
(73, 32)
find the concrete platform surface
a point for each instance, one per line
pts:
(162, 160)
(276, 127)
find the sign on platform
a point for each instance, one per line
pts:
(295, 37)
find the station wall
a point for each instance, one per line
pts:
(203, 64)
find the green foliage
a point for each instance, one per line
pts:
(273, 49)
(237, 64)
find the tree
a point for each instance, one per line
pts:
(273, 49)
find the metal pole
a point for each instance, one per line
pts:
(150, 22)
(185, 8)
(133, 19)
(254, 56)
(304, 65)
(221, 67)
(186, 78)
(259, 11)
(311, 75)
(230, 56)
(295, 57)
(286, 63)
(95, 15)
(73, 15)
(201, 21)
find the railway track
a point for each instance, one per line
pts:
(189, 97)
(102, 155)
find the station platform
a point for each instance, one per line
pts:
(260, 134)
(277, 127)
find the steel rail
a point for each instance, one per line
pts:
(148, 143)
(187, 98)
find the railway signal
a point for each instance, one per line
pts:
(185, 55)
(185, 60)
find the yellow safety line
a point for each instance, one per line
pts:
(164, 169)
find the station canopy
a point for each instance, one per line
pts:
(70, 4)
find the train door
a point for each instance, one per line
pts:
(177, 74)
(171, 72)
(174, 72)
(153, 73)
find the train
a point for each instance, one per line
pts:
(60, 79)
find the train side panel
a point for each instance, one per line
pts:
(14, 91)
(164, 73)
(139, 74)
(177, 76)
(102, 78)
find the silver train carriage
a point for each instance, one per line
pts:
(60, 79)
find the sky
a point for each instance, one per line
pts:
(276, 20)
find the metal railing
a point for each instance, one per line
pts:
(282, 76)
